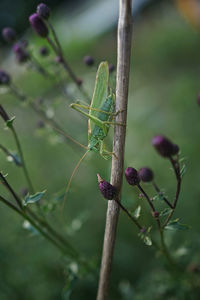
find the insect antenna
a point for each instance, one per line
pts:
(72, 176)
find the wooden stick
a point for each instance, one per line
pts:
(123, 67)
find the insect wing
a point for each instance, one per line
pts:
(100, 92)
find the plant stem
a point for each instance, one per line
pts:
(123, 69)
(159, 192)
(10, 189)
(166, 252)
(22, 160)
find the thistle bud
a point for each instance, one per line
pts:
(4, 77)
(107, 190)
(44, 51)
(164, 146)
(145, 174)
(9, 34)
(38, 25)
(20, 53)
(131, 175)
(43, 11)
(175, 149)
(155, 214)
(88, 60)
(111, 68)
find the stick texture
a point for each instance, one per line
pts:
(123, 68)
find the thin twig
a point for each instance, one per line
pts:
(160, 193)
(123, 68)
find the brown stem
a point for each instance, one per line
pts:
(11, 191)
(123, 69)
(159, 192)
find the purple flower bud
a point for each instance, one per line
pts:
(20, 53)
(40, 124)
(145, 174)
(88, 60)
(9, 34)
(111, 68)
(79, 81)
(44, 51)
(163, 146)
(4, 114)
(43, 11)
(155, 214)
(131, 175)
(4, 77)
(108, 191)
(38, 25)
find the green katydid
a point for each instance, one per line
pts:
(100, 115)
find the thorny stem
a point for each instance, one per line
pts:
(42, 114)
(58, 51)
(159, 192)
(123, 68)
(38, 228)
(129, 215)
(22, 159)
(176, 167)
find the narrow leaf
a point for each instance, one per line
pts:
(165, 212)
(137, 212)
(176, 225)
(33, 198)
(9, 123)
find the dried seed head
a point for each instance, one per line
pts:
(9, 34)
(111, 68)
(163, 146)
(145, 174)
(44, 51)
(38, 25)
(108, 191)
(88, 60)
(155, 214)
(4, 77)
(131, 175)
(43, 11)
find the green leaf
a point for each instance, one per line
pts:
(137, 212)
(9, 123)
(147, 240)
(165, 212)
(176, 225)
(183, 170)
(33, 198)
(158, 197)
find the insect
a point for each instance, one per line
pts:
(100, 114)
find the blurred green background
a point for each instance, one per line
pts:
(164, 84)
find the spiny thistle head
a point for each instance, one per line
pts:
(111, 68)
(43, 11)
(4, 77)
(38, 25)
(9, 34)
(164, 146)
(44, 51)
(131, 175)
(108, 191)
(145, 174)
(88, 60)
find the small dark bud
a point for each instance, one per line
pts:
(198, 99)
(24, 192)
(88, 60)
(38, 25)
(108, 190)
(145, 174)
(193, 268)
(4, 114)
(59, 59)
(163, 145)
(4, 77)
(40, 124)
(155, 214)
(9, 34)
(43, 11)
(143, 230)
(79, 81)
(44, 51)
(132, 177)
(20, 53)
(175, 149)
(111, 68)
